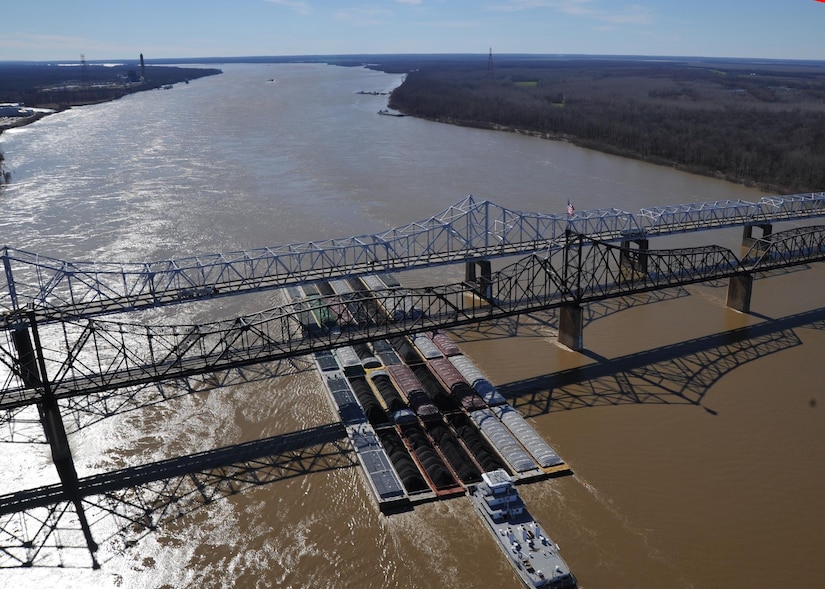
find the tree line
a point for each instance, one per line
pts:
(745, 123)
(54, 86)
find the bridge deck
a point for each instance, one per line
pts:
(468, 230)
(83, 355)
(91, 356)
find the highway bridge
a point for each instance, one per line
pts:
(82, 356)
(66, 334)
(469, 231)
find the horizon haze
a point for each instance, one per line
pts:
(761, 29)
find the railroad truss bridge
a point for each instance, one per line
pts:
(68, 339)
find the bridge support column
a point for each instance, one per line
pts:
(26, 360)
(482, 284)
(571, 326)
(634, 260)
(739, 292)
(747, 233)
(32, 366)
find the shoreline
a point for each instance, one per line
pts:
(7, 123)
(608, 150)
(44, 110)
(15, 122)
(771, 189)
(115, 93)
(730, 120)
(47, 89)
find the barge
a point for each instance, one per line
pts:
(422, 419)
(425, 424)
(533, 555)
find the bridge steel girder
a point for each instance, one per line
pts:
(470, 230)
(793, 247)
(684, 218)
(87, 356)
(91, 356)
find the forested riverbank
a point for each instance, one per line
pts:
(758, 123)
(755, 122)
(58, 87)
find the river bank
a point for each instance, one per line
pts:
(13, 122)
(753, 123)
(5, 176)
(47, 88)
(611, 150)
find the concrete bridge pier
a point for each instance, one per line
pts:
(747, 233)
(636, 259)
(479, 275)
(739, 292)
(571, 326)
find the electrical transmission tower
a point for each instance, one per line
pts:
(84, 71)
(490, 73)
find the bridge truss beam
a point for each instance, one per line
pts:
(470, 230)
(89, 356)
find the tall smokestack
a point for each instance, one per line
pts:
(142, 67)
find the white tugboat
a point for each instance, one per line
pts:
(532, 553)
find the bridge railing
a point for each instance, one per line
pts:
(793, 206)
(82, 356)
(469, 230)
(691, 217)
(730, 213)
(603, 224)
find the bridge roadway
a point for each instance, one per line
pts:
(85, 356)
(470, 230)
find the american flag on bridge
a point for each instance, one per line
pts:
(570, 208)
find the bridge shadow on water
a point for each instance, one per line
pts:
(681, 373)
(86, 410)
(41, 527)
(23, 426)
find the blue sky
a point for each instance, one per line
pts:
(116, 29)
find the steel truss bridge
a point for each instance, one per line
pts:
(82, 356)
(470, 230)
(57, 344)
